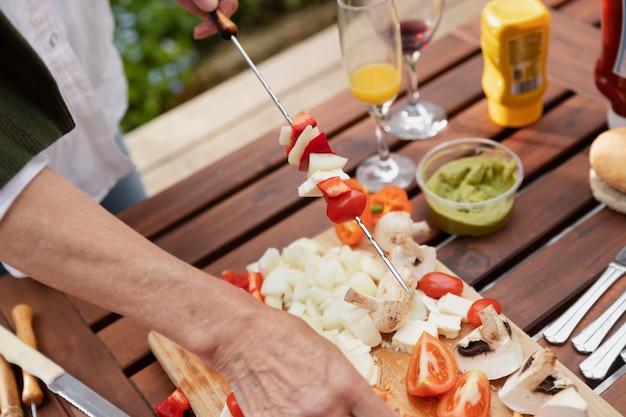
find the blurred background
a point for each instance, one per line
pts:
(165, 66)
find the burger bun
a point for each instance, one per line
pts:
(607, 176)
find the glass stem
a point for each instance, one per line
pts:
(383, 147)
(410, 62)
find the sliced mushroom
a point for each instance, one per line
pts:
(567, 402)
(419, 259)
(533, 384)
(493, 347)
(390, 289)
(395, 224)
(388, 314)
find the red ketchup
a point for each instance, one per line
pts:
(610, 72)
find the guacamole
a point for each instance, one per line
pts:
(472, 179)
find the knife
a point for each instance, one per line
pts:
(56, 379)
(562, 328)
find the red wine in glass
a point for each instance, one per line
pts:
(414, 34)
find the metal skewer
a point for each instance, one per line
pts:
(228, 31)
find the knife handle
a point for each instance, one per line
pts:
(22, 316)
(10, 405)
(19, 353)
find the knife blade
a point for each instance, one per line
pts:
(562, 328)
(54, 376)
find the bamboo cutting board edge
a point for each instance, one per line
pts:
(207, 389)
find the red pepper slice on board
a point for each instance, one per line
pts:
(249, 281)
(349, 233)
(233, 405)
(387, 199)
(173, 406)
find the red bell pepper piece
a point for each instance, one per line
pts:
(302, 120)
(173, 406)
(249, 281)
(318, 144)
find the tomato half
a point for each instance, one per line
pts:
(470, 397)
(432, 369)
(389, 198)
(346, 207)
(233, 405)
(349, 233)
(472, 315)
(437, 284)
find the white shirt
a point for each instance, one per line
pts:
(74, 38)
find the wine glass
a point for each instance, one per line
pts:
(369, 33)
(417, 119)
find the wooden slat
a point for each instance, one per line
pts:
(234, 171)
(153, 383)
(126, 340)
(65, 338)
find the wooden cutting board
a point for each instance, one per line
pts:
(207, 389)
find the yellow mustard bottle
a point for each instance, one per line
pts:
(514, 42)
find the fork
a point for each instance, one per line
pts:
(591, 336)
(597, 365)
(562, 328)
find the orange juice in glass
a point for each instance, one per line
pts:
(371, 49)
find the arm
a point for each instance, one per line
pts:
(276, 364)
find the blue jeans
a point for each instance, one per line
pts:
(128, 191)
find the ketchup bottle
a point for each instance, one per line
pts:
(610, 72)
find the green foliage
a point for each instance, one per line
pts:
(159, 52)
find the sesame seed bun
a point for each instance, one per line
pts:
(607, 177)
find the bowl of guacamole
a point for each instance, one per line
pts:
(470, 185)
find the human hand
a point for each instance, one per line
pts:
(277, 365)
(202, 7)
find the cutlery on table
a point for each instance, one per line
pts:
(10, 405)
(227, 30)
(591, 336)
(55, 377)
(562, 328)
(597, 365)
(32, 395)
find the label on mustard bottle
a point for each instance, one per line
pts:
(525, 59)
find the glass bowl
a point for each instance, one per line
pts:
(475, 192)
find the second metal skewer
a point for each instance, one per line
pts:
(228, 31)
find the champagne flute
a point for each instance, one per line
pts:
(417, 119)
(369, 33)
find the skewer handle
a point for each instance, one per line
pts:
(225, 27)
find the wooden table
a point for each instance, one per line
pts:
(558, 241)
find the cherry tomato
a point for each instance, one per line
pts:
(437, 284)
(469, 397)
(389, 198)
(432, 369)
(233, 405)
(472, 315)
(349, 233)
(346, 207)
